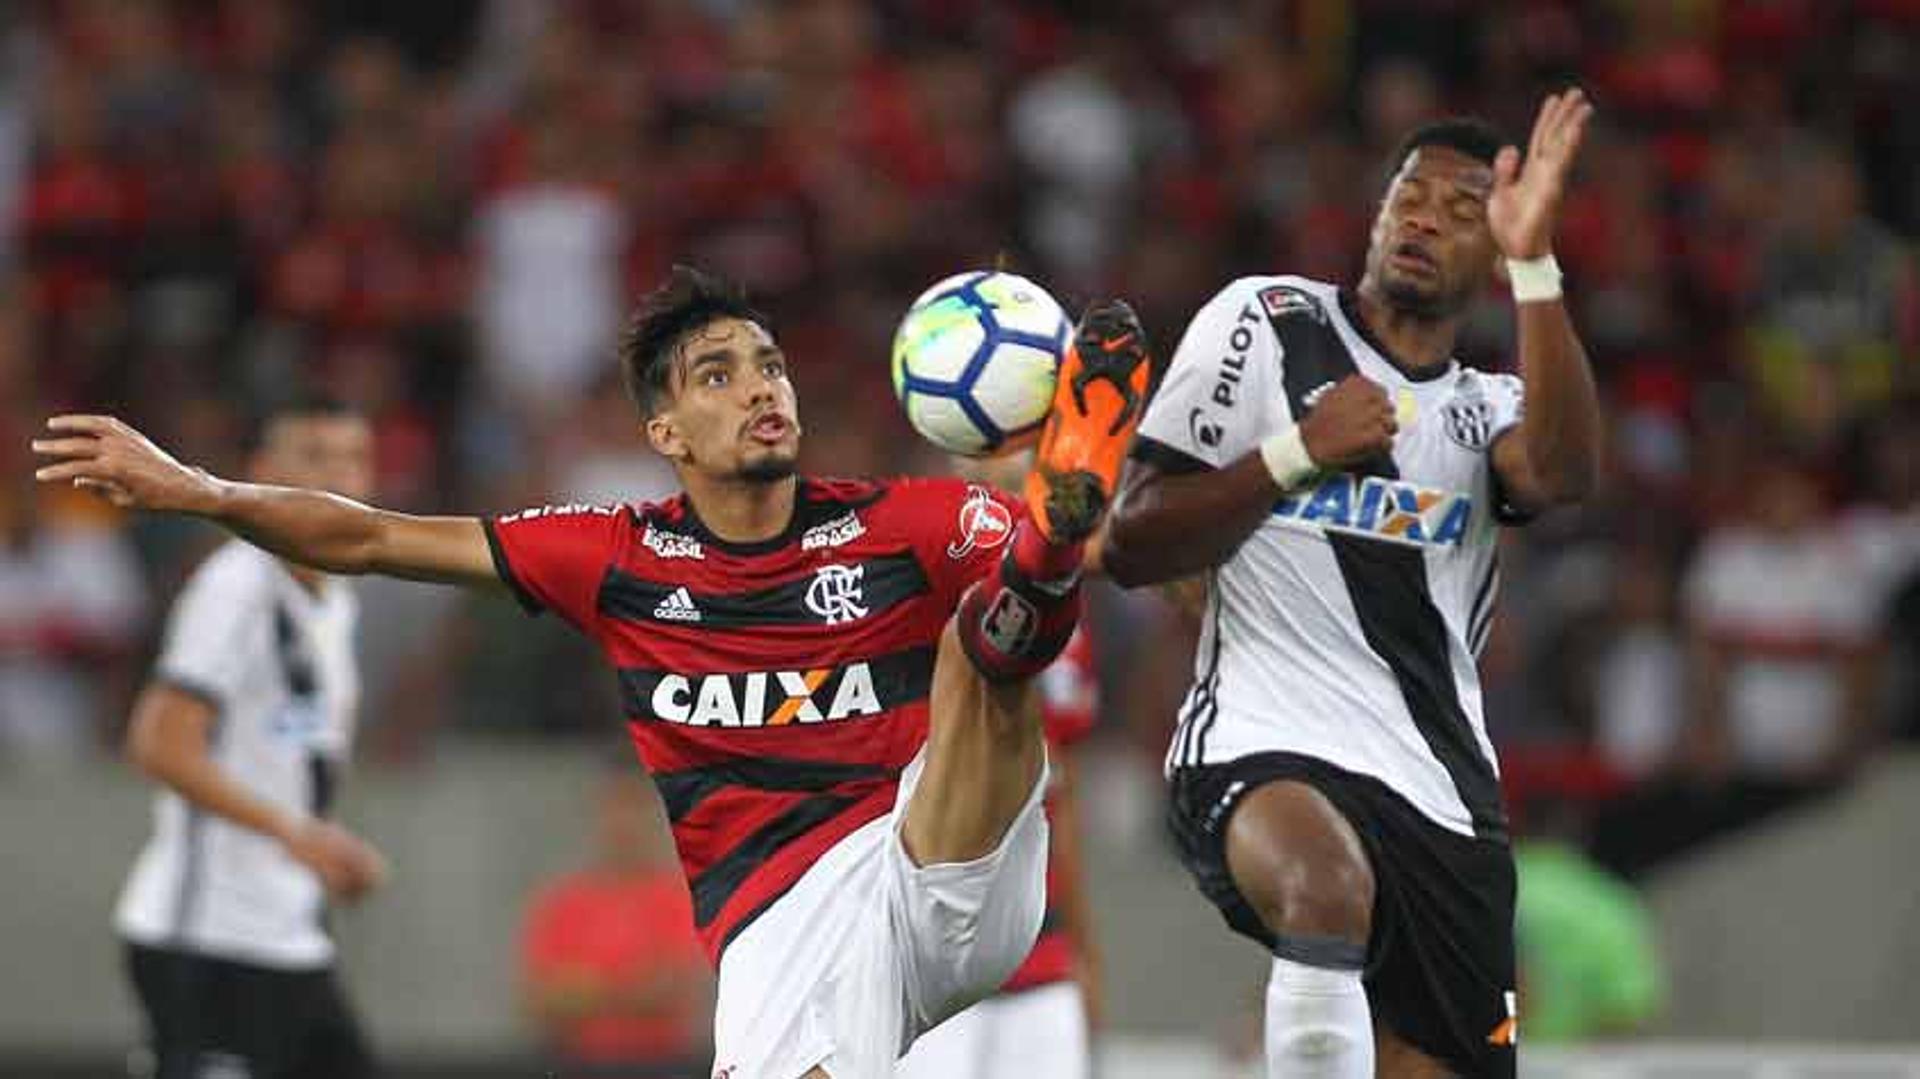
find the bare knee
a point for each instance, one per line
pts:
(1319, 898)
(1300, 865)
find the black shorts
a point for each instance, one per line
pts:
(209, 1016)
(1440, 964)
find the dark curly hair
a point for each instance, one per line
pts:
(688, 300)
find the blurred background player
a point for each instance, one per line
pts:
(611, 971)
(247, 723)
(1340, 475)
(1040, 1024)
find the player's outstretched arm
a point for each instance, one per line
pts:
(1554, 456)
(1168, 524)
(325, 531)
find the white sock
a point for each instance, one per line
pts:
(1318, 1025)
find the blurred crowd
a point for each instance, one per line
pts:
(440, 210)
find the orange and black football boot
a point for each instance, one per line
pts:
(1102, 392)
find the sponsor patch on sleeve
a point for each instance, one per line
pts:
(1283, 300)
(984, 524)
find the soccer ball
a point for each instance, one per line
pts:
(975, 360)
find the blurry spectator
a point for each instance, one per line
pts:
(1781, 663)
(16, 69)
(1839, 320)
(1781, 640)
(610, 967)
(1884, 533)
(1082, 140)
(1396, 96)
(72, 602)
(601, 456)
(1639, 679)
(82, 208)
(548, 294)
(150, 92)
(365, 266)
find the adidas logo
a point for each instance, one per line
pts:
(677, 607)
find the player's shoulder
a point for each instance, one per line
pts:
(595, 513)
(1279, 295)
(844, 492)
(961, 513)
(940, 494)
(1470, 379)
(233, 572)
(885, 503)
(905, 490)
(233, 587)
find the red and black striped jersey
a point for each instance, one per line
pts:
(775, 690)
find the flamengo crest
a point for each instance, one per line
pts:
(836, 594)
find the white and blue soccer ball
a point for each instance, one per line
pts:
(975, 361)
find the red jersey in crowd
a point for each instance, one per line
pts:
(775, 690)
(623, 929)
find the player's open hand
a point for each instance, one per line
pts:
(1352, 422)
(104, 455)
(1525, 204)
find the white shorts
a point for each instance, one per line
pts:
(867, 950)
(1038, 1033)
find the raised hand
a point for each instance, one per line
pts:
(1525, 205)
(1351, 423)
(102, 454)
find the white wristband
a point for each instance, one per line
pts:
(1534, 280)
(1286, 458)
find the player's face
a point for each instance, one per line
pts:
(733, 413)
(1431, 251)
(331, 453)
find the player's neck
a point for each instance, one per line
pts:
(739, 510)
(1413, 341)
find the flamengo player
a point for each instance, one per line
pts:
(1334, 791)
(829, 680)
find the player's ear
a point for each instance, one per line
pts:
(664, 436)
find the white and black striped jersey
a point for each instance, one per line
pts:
(276, 661)
(1346, 627)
